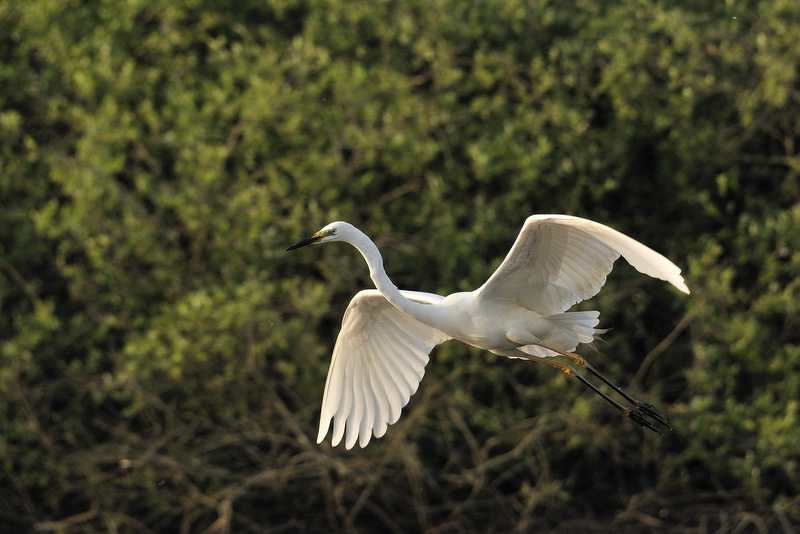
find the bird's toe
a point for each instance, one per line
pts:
(641, 419)
(650, 411)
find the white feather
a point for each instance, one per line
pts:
(378, 362)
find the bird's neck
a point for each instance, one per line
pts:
(424, 313)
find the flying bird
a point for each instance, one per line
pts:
(520, 312)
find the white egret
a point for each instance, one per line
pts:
(520, 312)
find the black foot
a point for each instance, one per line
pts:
(650, 411)
(642, 419)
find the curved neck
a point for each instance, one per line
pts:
(425, 313)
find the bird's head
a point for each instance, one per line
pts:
(335, 231)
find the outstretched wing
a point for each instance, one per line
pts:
(559, 260)
(378, 362)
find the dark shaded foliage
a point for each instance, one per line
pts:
(162, 360)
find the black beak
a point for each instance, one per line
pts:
(307, 241)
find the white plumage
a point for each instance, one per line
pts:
(520, 312)
(378, 362)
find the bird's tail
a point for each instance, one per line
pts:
(565, 331)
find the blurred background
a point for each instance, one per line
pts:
(162, 359)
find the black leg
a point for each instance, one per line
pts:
(647, 409)
(637, 414)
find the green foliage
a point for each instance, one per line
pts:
(162, 360)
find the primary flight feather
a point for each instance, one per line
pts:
(520, 312)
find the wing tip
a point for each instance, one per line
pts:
(323, 431)
(678, 281)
